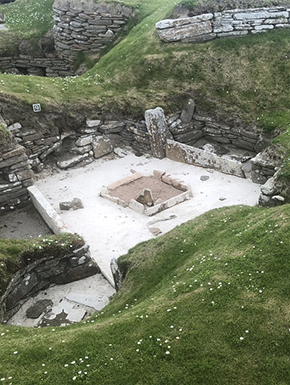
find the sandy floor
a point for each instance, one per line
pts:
(110, 229)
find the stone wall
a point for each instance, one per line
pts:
(78, 27)
(52, 66)
(236, 22)
(40, 274)
(86, 26)
(72, 139)
(15, 176)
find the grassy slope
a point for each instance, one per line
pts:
(207, 303)
(245, 77)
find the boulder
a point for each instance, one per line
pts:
(75, 204)
(101, 146)
(145, 197)
(187, 112)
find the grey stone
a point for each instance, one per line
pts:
(84, 141)
(75, 204)
(187, 112)
(155, 231)
(101, 146)
(93, 123)
(145, 197)
(117, 276)
(38, 308)
(172, 23)
(203, 178)
(185, 32)
(158, 130)
(71, 162)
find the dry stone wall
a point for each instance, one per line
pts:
(74, 140)
(86, 26)
(229, 23)
(44, 272)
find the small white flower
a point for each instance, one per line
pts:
(167, 352)
(241, 338)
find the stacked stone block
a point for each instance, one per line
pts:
(236, 22)
(86, 27)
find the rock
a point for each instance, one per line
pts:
(204, 178)
(185, 32)
(222, 199)
(38, 308)
(71, 161)
(121, 153)
(75, 204)
(278, 198)
(187, 112)
(158, 130)
(145, 197)
(84, 141)
(155, 231)
(269, 187)
(117, 276)
(101, 146)
(93, 123)
(209, 148)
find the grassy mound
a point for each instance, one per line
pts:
(244, 79)
(16, 254)
(207, 303)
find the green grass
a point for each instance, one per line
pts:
(16, 254)
(207, 303)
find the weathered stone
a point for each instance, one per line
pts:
(71, 162)
(187, 112)
(93, 123)
(101, 146)
(203, 178)
(185, 32)
(117, 276)
(84, 141)
(172, 23)
(75, 204)
(112, 127)
(145, 197)
(158, 131)
(38, 308)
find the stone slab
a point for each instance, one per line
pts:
(49, 215)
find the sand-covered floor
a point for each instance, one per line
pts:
(111, 230)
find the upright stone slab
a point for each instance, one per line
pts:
(158, 131)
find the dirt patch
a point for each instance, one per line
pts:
(161, 191)
(23, 224)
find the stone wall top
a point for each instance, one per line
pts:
(235, 22)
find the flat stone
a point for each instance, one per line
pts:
(93, 123)
(84, 141)
(101, 146)
(38, 308)
(155, 231)
(172, 23)
(76, 315)
(71, 162)
(185, 32)
(204, 178)
(96, 302)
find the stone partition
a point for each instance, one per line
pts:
(236, 22)
(86, 26)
